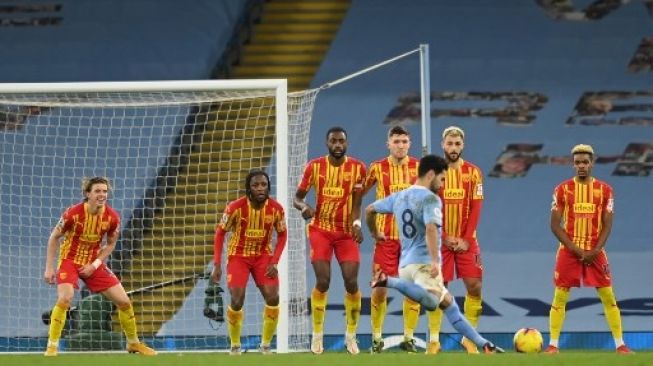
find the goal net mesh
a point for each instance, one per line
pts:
(175, 159)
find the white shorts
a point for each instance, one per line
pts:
(420, 274)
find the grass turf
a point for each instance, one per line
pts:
(576, 358)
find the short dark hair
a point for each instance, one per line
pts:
(398, 130)
(335, 129)
(431, 162)
(255, 173)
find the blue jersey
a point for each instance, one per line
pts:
(413, 208)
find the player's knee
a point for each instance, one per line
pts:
(236, 304)
(322, 284)
(351, 285)
(474, 288)
(379, 294)
(123, 303)
(447, 300)
(64, 300)
(272, 300)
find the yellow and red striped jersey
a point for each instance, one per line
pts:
(390, 178)
(581, 206)
(84, 232)
(334, 187)
(462, 195)
(251, 228)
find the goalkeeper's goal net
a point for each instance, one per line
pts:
(176, 153)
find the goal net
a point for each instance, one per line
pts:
(176, 153)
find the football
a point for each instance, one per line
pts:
(528, 340)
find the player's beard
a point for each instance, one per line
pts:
(338, 154)
(258, 198)
(453, 157)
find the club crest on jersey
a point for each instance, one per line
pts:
(412, 172)
(105, 225)
(333, 192)
(466, 178)
(346, 176)
(454, 194)
(268, 219)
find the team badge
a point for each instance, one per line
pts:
(346, 176)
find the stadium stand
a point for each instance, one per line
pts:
(522, 78)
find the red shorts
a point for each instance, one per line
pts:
(467, 264)
(239, 268)
(325, 243)
(100, 280)
(386, 257)
(571, 272)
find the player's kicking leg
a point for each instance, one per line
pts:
(431, 302)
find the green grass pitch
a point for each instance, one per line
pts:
(575, 358)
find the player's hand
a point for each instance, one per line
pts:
(589, 256)
(462, 245)
(216, 274)
(435, 269)
(449, 242)
(308, 212)
(578, 252)
(357, 232)
(271, 271)
(378, 237)
(86, 271)
(49, 276)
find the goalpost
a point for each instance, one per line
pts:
(177, 152)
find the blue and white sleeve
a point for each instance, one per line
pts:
(384, 205)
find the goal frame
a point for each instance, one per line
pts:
(280, 86)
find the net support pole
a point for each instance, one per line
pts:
(283, 196)
(425, 91)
